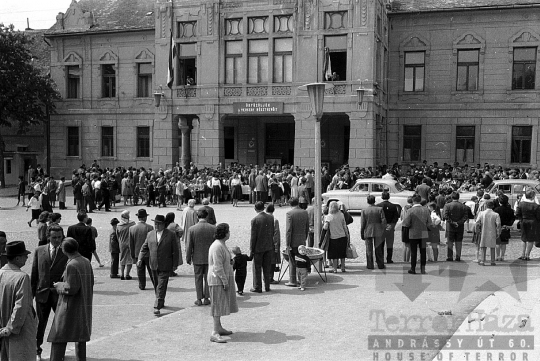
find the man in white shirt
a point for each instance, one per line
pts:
(388, 175)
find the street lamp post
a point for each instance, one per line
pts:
(316, 97)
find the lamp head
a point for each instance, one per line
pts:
(158, 95)
(360, 95)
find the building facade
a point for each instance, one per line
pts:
(463, 83)
(446, 83)
(234, 96)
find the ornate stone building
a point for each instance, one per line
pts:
(234, 96)
(446, 82)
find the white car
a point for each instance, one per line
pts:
(511, 187)
(355, 199)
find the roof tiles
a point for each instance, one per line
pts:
(435, 5)
(108, 15)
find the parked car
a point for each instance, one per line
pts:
(511, 187)
(355, 198)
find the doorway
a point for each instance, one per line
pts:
(279, 143)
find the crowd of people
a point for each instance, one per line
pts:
(61, 270)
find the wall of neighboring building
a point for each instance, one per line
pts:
(91, 111)
(493, 109)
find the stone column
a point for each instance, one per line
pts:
(304, 139)
(184, 124)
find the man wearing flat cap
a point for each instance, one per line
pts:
(161, 249)
(18, 323)
(137, 236)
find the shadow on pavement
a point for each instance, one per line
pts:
(115, 293)
(178, 289)
(244, 303)
(105, 359)
(270, 337)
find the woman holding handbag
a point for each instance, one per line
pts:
(506, 213)
(339, 236)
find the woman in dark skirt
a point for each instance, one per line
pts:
(236, 185)
(339, 236)
(506, 213)
(405, 232)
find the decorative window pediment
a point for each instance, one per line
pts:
(109, 57)
(469, 40)
(416, 42)
(525, 36)
(145, 55)
(73, 58)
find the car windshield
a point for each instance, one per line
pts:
(490, 187)
(399, 187)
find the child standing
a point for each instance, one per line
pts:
(94, 236)
(302, 266)
(35, 203)
(240, 266)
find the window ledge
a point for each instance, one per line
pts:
(467, 92)
(531, 94)
(107, 158)
(412, 95)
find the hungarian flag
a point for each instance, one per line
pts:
(327, 65)
(172, 56)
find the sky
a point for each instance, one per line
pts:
(41, 13)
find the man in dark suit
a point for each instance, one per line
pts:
(261, 187)
(418, 219)
(105, 194)
(77, 194)
(211, 214)
(161, 248)
(423, 189)
(252, 191)
(391, 213)
(371, 230)
(199, 239)
(137, 236)
(261, 246)
(47, 268)
(296, 233)
(83, 235)
(455, 213)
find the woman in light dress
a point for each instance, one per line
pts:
(221, 282)
(490, 228)
(294, 185)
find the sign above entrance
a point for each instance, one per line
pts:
(252, 108)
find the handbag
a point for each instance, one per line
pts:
(351, 252)
(325, 238)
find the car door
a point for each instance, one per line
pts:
(358, 196)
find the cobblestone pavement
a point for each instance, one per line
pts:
(327, 320)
